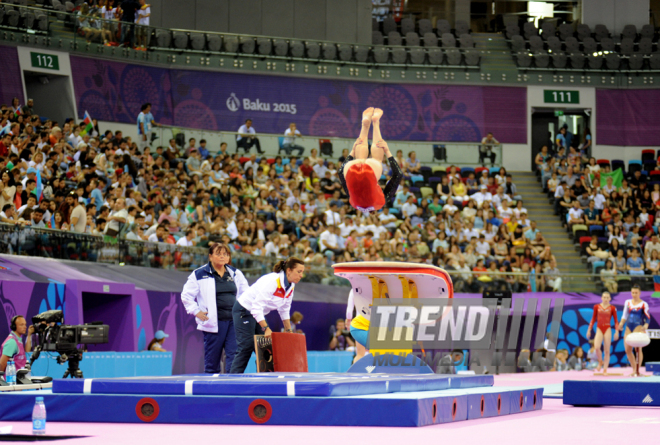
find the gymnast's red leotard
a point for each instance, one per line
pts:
(604, 316)
(362, 187)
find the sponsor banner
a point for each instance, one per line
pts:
(114, 91)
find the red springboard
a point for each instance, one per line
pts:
(289, 352)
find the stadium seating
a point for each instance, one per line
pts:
(583, 47)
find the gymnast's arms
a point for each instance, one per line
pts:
(646, 316)
(593, 320)
(624, 317)
(340, 173)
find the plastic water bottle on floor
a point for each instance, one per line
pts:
(39, 417)
(10, 373)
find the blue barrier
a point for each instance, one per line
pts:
(138, 364)
(108, 364)
(318, 361)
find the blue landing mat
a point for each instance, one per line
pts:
(271, 384)
(641, 391)
(395, 409)
(653, 367)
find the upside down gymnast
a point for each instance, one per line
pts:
(360, 172)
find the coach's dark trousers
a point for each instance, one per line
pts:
(246, 328)
(214, 343)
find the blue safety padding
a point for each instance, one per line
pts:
(490, 405)
(639, 392)
(381, 410)
(452, 409)
(469, 381)
(339, 385)
(652, 367)
(532, 400)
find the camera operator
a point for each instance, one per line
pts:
(12, 347)
(340, 337)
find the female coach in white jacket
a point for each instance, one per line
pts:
(210, 294)
(270, 292)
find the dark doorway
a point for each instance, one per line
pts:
(546, 123)
(52, 94)
(116, 312)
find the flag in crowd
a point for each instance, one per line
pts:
(616, 175)
(6, 129)
(18, 111)
(89, 126)
(40, 187)
(656, 286)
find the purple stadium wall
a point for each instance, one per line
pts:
(10, 76)
(628, 117)
(29, 286)
(114, 91)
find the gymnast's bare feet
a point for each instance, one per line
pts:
(377, 114)
(366, 116)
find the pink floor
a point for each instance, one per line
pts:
(552, 425)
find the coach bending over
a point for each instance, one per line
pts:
(273, 291)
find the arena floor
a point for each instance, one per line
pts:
(555, 422)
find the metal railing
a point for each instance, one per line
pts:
(57, 244)
(38, 20)
(428, 152)
(35, 20)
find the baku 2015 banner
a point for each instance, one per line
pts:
(113, 91)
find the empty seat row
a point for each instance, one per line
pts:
(581, 31)
(313, 50)
(588, 46)
(18, 17)
(611, 61)
(422, 26)
(429, 40)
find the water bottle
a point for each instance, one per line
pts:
(10, 373)
(532, 279)
(39, 417)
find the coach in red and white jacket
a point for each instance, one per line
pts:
(270, 292)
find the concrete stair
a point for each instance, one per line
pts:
(541, 211)
(496, 56)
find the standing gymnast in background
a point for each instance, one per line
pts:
(359, 331)
(363, 167)
(636, 319)
(603, 313)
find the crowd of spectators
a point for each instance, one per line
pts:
(103, 183)
(549, 358)
(616, 224)
(115, 23)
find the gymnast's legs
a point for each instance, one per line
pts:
(361, 147)
(606, 349)
(598, 341)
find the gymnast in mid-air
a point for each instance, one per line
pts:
(363, 167)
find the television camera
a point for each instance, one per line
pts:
(65, 340)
